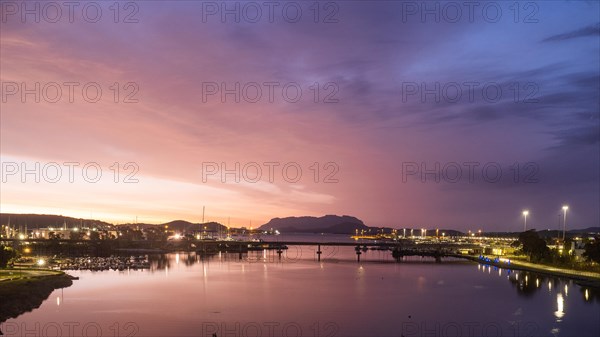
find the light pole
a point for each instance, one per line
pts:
(565, 209)
(525, 214)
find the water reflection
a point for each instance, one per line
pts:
(523, 286)
(590, 294)
(560, 307)
(525, 283)
(520, 281)
(306, 291)
(159, 262)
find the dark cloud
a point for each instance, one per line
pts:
(581, 136)
(593, 30)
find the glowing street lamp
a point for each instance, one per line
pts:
(565, 209)
(525, 214)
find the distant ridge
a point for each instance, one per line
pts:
(35, 221)
(586, 230)
(334, 224)
(182, 226)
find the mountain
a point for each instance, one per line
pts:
(182, 226)
(185, 226)
(308, 224)
(35, 221)
(590, 230)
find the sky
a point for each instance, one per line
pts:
(431, 114)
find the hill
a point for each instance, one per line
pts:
(334, 224)
(34, 221)
(183, 226)
(589, 230)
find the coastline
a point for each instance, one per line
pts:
(28, 290)
(589, 279)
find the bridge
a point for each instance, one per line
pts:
(398, 249)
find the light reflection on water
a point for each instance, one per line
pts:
(560, 307)
(185, 294)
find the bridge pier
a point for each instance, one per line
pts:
(358, 253)
(319, 252)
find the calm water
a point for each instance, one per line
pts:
(186, 295)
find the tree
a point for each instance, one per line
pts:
(131, 235)
(156, 234)
(533, 245)
(76, 235)
(54, 236)
(6, 254)
(94, 236)
(592, 250)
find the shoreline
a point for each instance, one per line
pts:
(26, 292)
(590, 280)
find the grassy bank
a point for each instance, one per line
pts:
(586, 278)
(24, 290)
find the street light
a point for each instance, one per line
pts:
(525, 214)
(565, 209)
